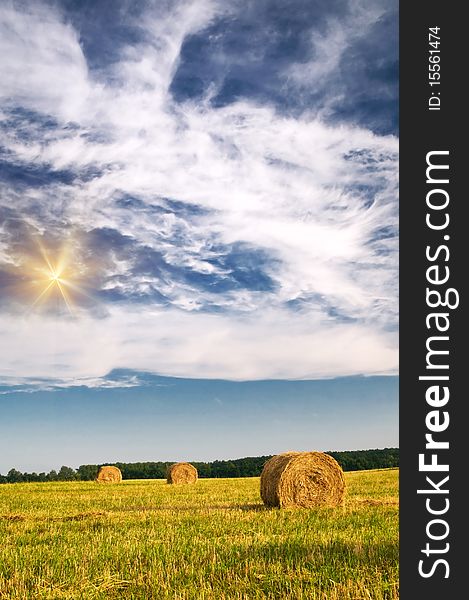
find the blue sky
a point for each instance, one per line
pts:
(196, 189)
(164, 418)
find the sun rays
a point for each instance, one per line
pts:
(55, 278)
(55, 284)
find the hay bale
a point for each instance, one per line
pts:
(181, 473)
(305, 479)
(108, 474)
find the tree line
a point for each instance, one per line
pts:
(351, 460)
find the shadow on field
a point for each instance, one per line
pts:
(250, 507)
(81, 516)
(12, 518)
(78, 517)
(192, 508)
(136, 509)
(372, 502)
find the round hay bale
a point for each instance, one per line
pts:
(305, 479)
(181, 473)
(108, 474)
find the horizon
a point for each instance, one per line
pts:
(196, 461)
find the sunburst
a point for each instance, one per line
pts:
(55, 279)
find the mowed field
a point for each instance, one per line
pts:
(148, 540)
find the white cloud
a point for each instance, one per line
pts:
(30, 385)
(269, 344)
(287, 185)
(328, 47)
(42, 65)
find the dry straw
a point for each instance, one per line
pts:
(182, 473)
(305, 479)
(109, 474)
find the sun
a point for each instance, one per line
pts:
(54, 280)
(57, 275)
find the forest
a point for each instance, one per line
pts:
(352, 460)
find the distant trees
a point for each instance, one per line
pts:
(14, 476)
(357, 460)
(353, 460)
(66, 474)
(87, 472)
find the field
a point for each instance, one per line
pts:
(147, 540)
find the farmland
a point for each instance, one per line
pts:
(143, 539)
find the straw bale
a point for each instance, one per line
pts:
(109, 474)
(182, 472)
(305, 479)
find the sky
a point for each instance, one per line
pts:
(176, 419)
(203, 191)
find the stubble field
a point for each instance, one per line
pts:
(213, 541)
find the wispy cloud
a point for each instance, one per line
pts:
(31, 385)
(214, 240)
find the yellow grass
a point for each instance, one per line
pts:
(216, 540)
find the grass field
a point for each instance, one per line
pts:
(147, 540)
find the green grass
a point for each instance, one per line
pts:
(147, 540)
